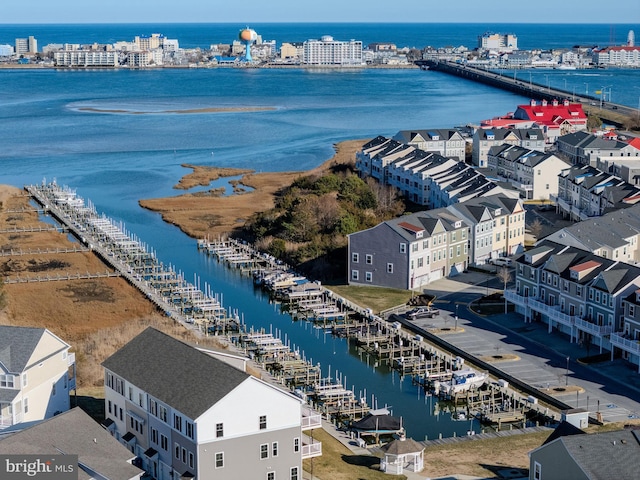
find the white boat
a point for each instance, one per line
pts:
(461, 381)
(565, 66)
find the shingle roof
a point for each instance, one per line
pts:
(175, 373)
(17, 345)
(74, 433)
(606, 455)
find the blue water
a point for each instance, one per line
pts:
(115, 159)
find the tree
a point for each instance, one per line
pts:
(504, 275)
(536, 228)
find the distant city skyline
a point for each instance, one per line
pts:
(329, 11)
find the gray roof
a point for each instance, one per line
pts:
(402, 447)
(17, 345)
(74, 433)
(174, 372)
(605, 455)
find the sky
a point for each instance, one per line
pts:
(289, 11)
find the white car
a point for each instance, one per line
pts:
(501, 262)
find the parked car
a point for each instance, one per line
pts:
(422, 312)
(546, 207)
(501, 262)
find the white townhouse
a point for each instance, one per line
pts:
(445, 141)
(533, 173)
(36, 374)
(425, 178)
(486, 138)
(186, 414)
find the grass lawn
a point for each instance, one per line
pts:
(375, 298)
(339, 463)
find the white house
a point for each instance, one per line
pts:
(36, 373)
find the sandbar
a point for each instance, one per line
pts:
(183, 111)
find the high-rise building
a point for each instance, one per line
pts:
(328, 51)
(26, 46)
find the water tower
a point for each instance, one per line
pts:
(248, 36)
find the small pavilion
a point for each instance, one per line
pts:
(402, 454)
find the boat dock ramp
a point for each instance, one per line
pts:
(132, 259)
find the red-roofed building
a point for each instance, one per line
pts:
(634, 142)
(554, 118)
(623, 56)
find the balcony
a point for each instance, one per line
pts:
(9, 420)
(626, 344)
(592, 328)
(551, 311)
(310, 419)
(310, 447)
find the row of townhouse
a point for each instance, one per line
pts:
(487, 137)
(37, 372)
(583, 148)
(414, 250)
(574, 292)
(585, 191)
(625, 56)
(614, 235)
(533, 173)
(447, 142)
(425, 178)
(187, 414)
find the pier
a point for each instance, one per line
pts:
(495, 403)
(131, 259)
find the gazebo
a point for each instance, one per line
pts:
(401, 454)
(377, 423)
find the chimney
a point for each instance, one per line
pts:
(544, 103)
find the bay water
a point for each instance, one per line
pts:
(115, 137)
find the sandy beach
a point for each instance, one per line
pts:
(200, 215)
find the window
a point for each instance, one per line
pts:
(414, 247)
(219, 430)
(177, 422)
(109, 405)
(24, 380)
(190, 430)
(403, 248)
(219, 460)
(191, 462)
(163, 413)
(177, 451)
(271, 475)
(120, 413)
(296, 444)
(450, 252)
(420, 262)
(274, 449)
(537, 471)
(184, 455)
(389, 267)
(368, 276)
(263, 422)
(354, 274)
(264, 451)
(25, 402)
(154, 435)
(6, 381)
(140, 399)
(368, 259)
(164, 442)
(294, 473)
(355, 257)
(153, 408)
(131, 393)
